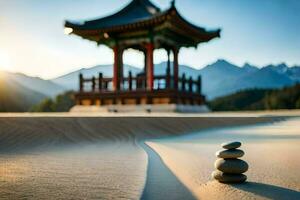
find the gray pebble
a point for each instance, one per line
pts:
(229, 178)
(234, 166)
(230, 153)
(231, 145)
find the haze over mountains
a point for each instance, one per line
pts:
(219, 79)
(15, 97)
(223, 78)
(45, 87)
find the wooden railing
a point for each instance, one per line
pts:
(130, 83)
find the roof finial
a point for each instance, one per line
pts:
(173, 3)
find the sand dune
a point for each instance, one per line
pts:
(93, 157)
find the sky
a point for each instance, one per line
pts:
(259, 32)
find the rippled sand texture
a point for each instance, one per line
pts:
(102, 171)
(272, 152)
(60, 157)
(84, 157)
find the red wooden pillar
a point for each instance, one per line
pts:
(168, 72)
(175, 67)
(150, 66)
(81, 82)
(116, 69)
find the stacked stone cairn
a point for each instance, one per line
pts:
(230, 169)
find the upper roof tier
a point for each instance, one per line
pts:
(142, 20)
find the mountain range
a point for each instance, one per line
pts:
(45, 87)
(15, 97)
(219, 79)
(223, 78)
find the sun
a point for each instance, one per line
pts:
(4, 61)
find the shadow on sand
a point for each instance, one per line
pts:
(268, 191)
(161, 183)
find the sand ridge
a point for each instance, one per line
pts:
(19, 133)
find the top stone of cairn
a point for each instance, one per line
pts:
(231, 145)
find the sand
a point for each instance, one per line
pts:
(272, 152)
(63, 156)
(102, 171)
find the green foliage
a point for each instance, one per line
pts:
(285, 98)
(47, 105)
(243, 100)
(259, 99)
(298, 104)
(62, 103)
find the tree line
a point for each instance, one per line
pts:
(259, 99)
(62, 103)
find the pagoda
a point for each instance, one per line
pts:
(142, 26)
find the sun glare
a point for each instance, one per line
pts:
(4, 61)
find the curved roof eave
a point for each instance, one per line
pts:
(135, 11)
(213, 33)
(155, 18)
(199, 34)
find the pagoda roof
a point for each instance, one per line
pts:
(141, 15)
(136, 11)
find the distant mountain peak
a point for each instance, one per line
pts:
(281, 68)
(222, 66)
(222, 62)
(247, 65)
(283, 64)
(249, 68)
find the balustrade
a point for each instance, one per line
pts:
(130, 83)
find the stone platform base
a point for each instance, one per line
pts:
(169, 108)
